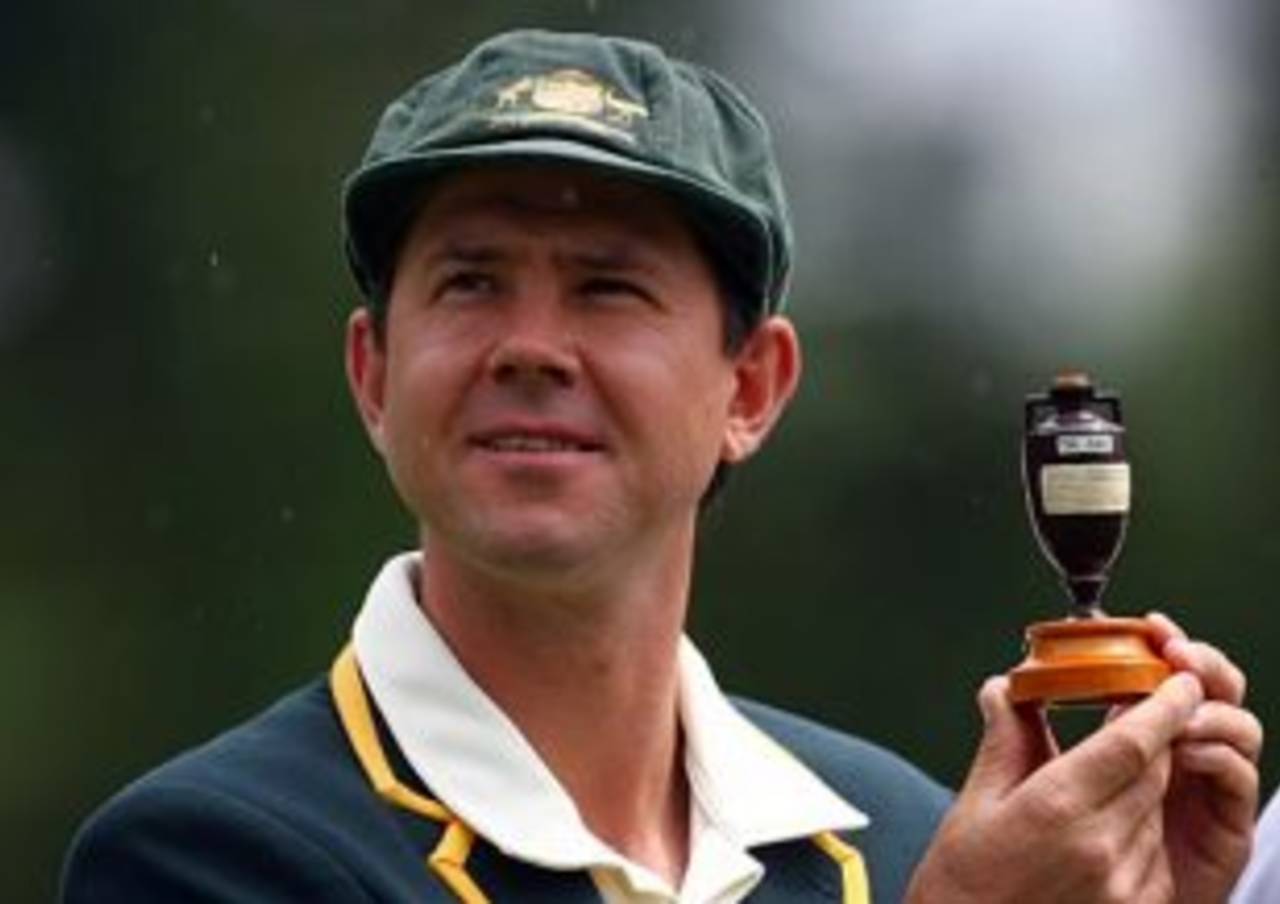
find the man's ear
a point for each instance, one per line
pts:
(767, 369)
(367, 372)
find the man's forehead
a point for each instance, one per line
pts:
(554, 192)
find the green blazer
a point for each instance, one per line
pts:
(280, 809)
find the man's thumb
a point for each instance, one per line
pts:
(1014, 742)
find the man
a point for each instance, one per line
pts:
(574, 250)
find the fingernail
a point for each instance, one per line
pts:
(1191, 684)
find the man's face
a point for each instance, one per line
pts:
(552, 390)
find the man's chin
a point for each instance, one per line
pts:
(542, 544)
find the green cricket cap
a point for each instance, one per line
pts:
(621, 106)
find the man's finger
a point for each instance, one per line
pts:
(1221, 678)
(1232, 775)
(1165, 627)
(1015, 742)
(1222, 723)
(1115, 756)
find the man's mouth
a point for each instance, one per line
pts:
(533, 442)
(527, 443)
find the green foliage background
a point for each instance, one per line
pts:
(192, 513)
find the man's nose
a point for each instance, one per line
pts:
(536, 348)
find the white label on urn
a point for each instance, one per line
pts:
(1086, 444)
(1085, 489)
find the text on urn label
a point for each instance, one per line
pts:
(1086, 444)
(1085, 489)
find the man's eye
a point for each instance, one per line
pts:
(610, 287)
(468, 283)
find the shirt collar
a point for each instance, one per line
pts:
(475, 760)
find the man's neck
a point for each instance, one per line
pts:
(593, 685)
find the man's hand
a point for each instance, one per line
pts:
(1212, 802)
(1156, 806)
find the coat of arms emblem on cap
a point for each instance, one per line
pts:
(567, 97)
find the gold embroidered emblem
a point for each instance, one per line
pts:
(567, 96)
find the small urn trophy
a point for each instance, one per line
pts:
(1076, 477)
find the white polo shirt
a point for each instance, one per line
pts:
(1260, 882)
(746, 791)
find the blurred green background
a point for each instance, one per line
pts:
(984, 194)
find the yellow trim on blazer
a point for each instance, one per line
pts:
(449, 859)
(853, 871)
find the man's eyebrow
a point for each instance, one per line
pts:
(466, 252)
(613, 257)
(616, 257)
